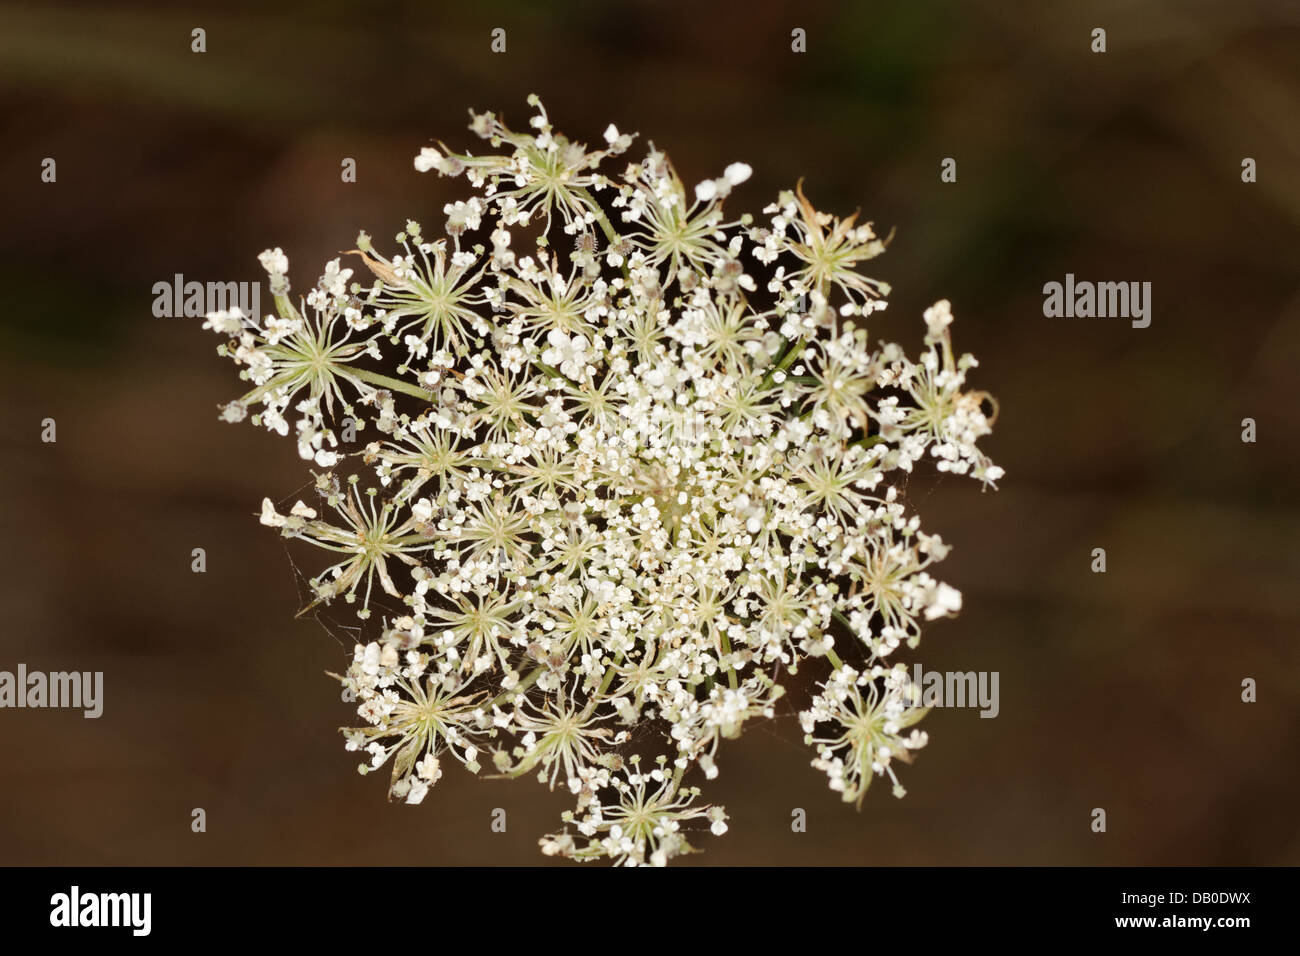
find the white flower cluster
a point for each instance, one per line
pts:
(636, 463)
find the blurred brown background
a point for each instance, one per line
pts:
(1119, 691)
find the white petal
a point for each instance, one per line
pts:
(737, 173)
(269, 516)
(706, 190)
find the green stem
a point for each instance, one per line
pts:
(606, 226)
(791, 353)
(609, 677)
(786, 360)
(284, 306)
(396, 384)
(611, 234)
(555, 373)
(868, 441)
(529, 680)
(731, 671)
(830, 651)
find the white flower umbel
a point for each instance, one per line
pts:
(621, 465)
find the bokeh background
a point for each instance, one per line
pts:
(1119, 691)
